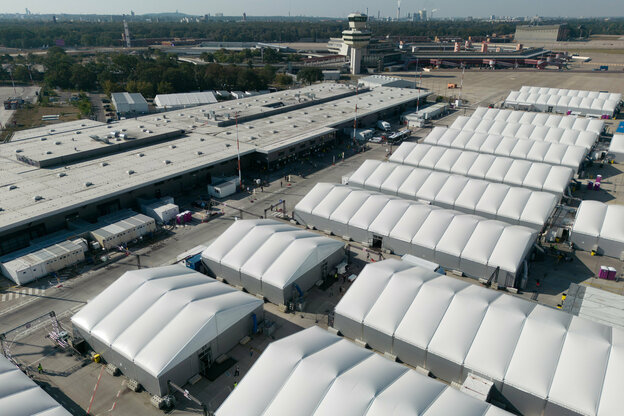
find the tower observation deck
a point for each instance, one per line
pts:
(357, 37)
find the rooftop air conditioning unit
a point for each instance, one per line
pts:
(130, 172)
(88, 184)
(104, 164)
(61, 174)
(166, 162)
(38, 198)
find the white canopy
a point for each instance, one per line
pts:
(268, 257)
(20, 396)
(316, 373)
(514, 205)
(565, 101)
(599, 226)
(616, 148)
(156, 318)
(409, 227)
(524, 149)
(532, 175)
(533, 119)
(536, 356)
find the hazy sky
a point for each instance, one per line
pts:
(334, 8)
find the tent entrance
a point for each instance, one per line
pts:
(377, 240)
(205, 361)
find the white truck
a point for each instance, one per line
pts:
(384, 125)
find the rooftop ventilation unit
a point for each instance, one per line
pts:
(130, 172)
(43, 139)
(11, 187)
(140, 154)
(104, 164)
(18, 150)
(88, 184)
(48, 152)
(166, 162)
(61, 174)
(199, 153)
(57, 143)
(173, 146)
(37, 197)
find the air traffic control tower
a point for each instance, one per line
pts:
(358, 38)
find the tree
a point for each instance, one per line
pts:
(83, 77)
(283, 79)
(165, 87)
(309, 75)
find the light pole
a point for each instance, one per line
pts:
(240, 179)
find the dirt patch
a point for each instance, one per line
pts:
(29, 117)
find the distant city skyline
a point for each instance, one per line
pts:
(328, 8)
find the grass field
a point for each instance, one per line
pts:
(30, 116)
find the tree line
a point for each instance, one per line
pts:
(150, 72)
(85, 34)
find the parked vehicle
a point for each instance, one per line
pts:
(384, 125)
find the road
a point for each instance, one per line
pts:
(98, 107)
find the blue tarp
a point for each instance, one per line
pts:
(620, 129)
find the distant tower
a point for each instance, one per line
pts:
(399, 10)
(244, 17)
(358, 38)
(126, 35)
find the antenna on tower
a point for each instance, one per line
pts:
(399, 10)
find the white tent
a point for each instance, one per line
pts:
(564, 101)
(540, 359)
(599, 226)
(511, 204)
(532, 175)
(535, 119)
(409, 227)
(524, 149)
(616, 148)
(271, 258)
(316, 373)
(20, 396)
(154, 324)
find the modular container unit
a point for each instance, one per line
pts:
(409, 227)
(40, 263)
(535, 356)
(122, 231)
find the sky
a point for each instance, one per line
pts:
(328, 8)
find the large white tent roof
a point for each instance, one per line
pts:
(563, 100)
(270, 251)
(314, 372)
(414, 228)
(483, 142)
(525, 131)
(511, 204)
(20, 396)
(158, 317)
(599, 224)
(579, 124)
(452, 328)
(532, 175)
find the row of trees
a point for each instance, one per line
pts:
(38, 34)
(149, 73)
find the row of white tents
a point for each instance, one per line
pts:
(616, 148)
(524, 149)
(517, 130)
(514, 172)
(539, 119)
(591, 103)
(475, 245)
(272, 259)
(511, 204)
(542, 361)
(314, 372)
(600, 227)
